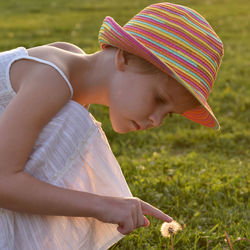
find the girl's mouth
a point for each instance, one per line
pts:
(136, 125)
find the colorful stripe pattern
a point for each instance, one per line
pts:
(180, 42)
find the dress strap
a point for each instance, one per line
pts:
(53, 66)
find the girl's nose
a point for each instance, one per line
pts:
(156, 119)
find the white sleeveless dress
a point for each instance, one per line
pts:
(71, 152)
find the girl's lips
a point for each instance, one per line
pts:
(137, 126)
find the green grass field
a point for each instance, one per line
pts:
(198, 176)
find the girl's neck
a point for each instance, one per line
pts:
(90, 77)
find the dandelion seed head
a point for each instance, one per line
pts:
(170, 228)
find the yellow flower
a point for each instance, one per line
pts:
(170, 228)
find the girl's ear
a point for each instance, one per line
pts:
(120, 60)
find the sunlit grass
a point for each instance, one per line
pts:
(198, 176)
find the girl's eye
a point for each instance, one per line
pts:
(160, 99)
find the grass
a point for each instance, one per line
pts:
(197, 175)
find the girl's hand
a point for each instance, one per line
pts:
(128, 213)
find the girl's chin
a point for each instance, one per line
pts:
(120, 130)
(123, 126)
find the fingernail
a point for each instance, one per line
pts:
(146, 222)
(170, 219)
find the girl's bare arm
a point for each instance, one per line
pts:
(37, 101)
(42, 94)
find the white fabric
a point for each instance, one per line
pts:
(71, 152)
(21, 53)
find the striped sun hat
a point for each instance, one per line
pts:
(177, 40)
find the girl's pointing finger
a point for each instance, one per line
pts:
(148, 209)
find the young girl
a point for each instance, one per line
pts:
(60, 185)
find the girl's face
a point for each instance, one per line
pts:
(139, 102)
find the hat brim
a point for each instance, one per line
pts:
(111, 33)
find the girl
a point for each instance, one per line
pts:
(60, 185)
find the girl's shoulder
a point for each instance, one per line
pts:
(67, 46)
(57, 56)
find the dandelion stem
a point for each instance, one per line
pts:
(172, 242)
(228, 241)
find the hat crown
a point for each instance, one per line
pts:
(183, 40)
